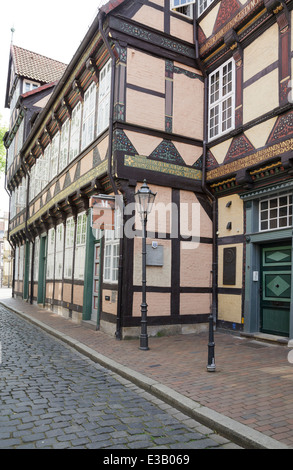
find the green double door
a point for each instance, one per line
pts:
(276, 267)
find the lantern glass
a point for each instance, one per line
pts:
(144, 199)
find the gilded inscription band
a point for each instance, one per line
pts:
(258, 157)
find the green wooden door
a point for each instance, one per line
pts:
(276, 289)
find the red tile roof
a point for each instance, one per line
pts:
(35, 66)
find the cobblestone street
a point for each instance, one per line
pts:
(53, 397)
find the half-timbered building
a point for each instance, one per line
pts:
(246, 47)
(118, 115)
(194, 97)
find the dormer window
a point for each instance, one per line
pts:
(29, 86)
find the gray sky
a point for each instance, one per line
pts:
(54, 29)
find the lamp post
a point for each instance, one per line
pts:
(144, 199)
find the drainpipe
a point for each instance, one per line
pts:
(213, 316)
(118, 333)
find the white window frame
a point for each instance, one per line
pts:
(59, 252)
(74, 149)
(64, 145)
(50, 254)
(16, 270)
(183, 7)
(32, 183)
(29, 86)
(36, 259)
(111, 253)
(21, 263)
(11, 154)
(54, 156)
(218, 99)
(20, 134)
(203, 5)
(80, 248)
(274, 214)
(69, 242)
(20, 195)
(89, 108)
(104, 98)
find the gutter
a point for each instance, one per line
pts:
(118, 333)
(203, 183)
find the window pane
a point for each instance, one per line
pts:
(283, 211)
(283, 201)
(283, 222)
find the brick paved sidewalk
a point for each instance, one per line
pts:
(253, 382)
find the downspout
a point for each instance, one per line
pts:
(118, 333)
(204, 185)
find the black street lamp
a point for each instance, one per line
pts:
(144, 199)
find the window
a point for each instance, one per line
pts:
(75, 132)
(20, 196)
(111, 255)
(20, 134)
(80, 246)
(29, 86)
(50, 254)
(21, 262)
(16, 263)
(183, 6)
(30, 262)
(39, 175)
(89, 108)
(222, 100)
(59, 252)
(54, 156)
(104, 98)
(32, 183)
(203, 5)
(36, 259)
(111, 260)
(11, 154)
(275, 213)
(63, 158)
(69, 242)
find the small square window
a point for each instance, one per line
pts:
(275, 213)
